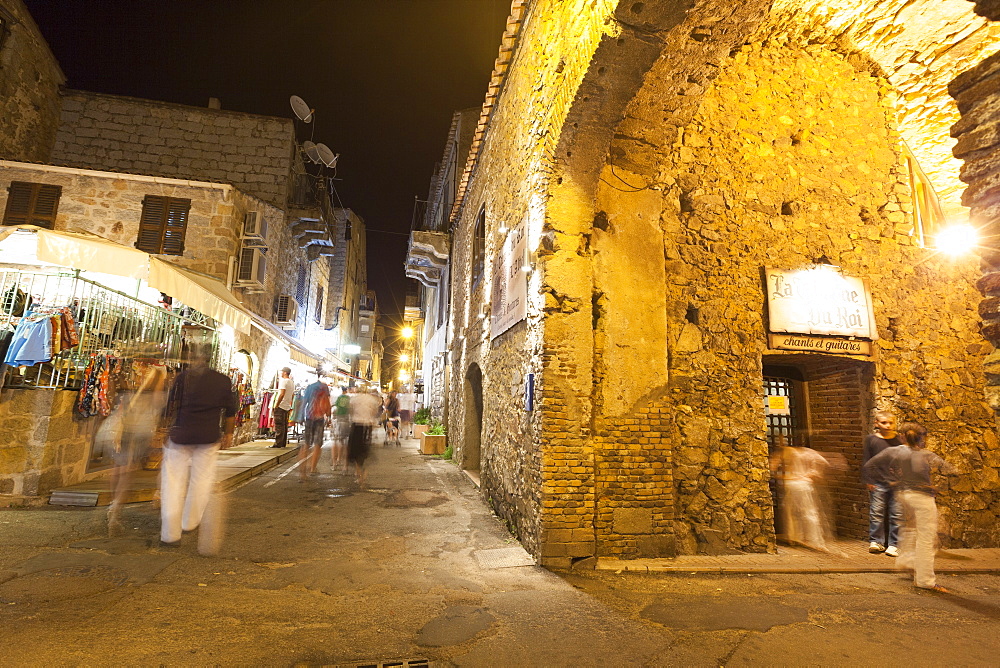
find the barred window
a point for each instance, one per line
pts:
(163, 225)
(32, 204)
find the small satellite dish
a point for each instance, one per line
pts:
(326, 156)
(310, 150)
(301, 109)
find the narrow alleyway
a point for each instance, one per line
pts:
(415, 567)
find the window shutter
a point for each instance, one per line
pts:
(163, 225)
(32, 204)
(175, 226)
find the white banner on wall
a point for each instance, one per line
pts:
(819, 300)
(508, 302)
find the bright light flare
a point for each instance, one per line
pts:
(957, 239)
(404, 358)
(407, 332)
(403, 376)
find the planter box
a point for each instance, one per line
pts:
(432, 445)
(419, 429)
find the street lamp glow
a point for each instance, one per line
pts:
(406, 332)
(403, 376)
(957, 239)
(404, 358)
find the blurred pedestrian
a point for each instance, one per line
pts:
(204, 407)
(907, 469)
(364, 411)
(804, 513)
(282, 407)
(316, 408)
(341, 428)
(391, 419)
(884, 512)
(407, 406)
(140, 418)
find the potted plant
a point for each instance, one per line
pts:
(433, 441)
(421, 422)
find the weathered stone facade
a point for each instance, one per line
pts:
(29, 88)
(123, 134)
(44, 442)
(663, 154)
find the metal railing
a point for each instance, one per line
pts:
(107, 321)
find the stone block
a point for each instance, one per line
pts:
(633, 520)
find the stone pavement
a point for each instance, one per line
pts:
(414, 569)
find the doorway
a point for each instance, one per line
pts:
(473, 401)
(824, 404)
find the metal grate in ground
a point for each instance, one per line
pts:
(504, 557)
(390, 663)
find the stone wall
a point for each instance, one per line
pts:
(29, 88)
(43, 444)
(123, 134)
(793, 155)
(110, 206)
(660, 164)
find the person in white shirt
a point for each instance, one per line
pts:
(282, 406)
(407, 404)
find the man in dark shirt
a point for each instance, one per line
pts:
(202, 400)
(883, 536)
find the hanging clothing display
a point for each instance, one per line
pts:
(40, 336)
(264, 419)
(244, 395)
(97, 392)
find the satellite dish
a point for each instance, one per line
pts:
(301, 109)
(310, 150)
(326, 156)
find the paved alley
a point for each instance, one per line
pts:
(416, 568)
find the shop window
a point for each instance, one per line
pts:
(32, 204)
(163, 225)
(479, 247)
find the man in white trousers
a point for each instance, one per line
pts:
(204, 405)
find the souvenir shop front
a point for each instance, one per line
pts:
(73, 339)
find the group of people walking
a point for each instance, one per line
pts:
(350, 418)
(200, 407)
(903, 519)
(896, 469)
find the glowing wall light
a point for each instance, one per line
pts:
(957, 239)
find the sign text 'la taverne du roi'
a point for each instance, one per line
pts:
(820, 310)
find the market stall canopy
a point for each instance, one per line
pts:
(89, 252)
(199, 291)
(297, 351)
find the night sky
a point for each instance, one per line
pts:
(384, 77)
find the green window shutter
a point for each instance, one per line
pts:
(32, 204)
(163, 225)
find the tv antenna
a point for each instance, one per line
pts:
(309, 149)
(326, 156)
(301, 109)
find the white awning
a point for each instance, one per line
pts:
(297, 351)
(89, 252)
(199, 291)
